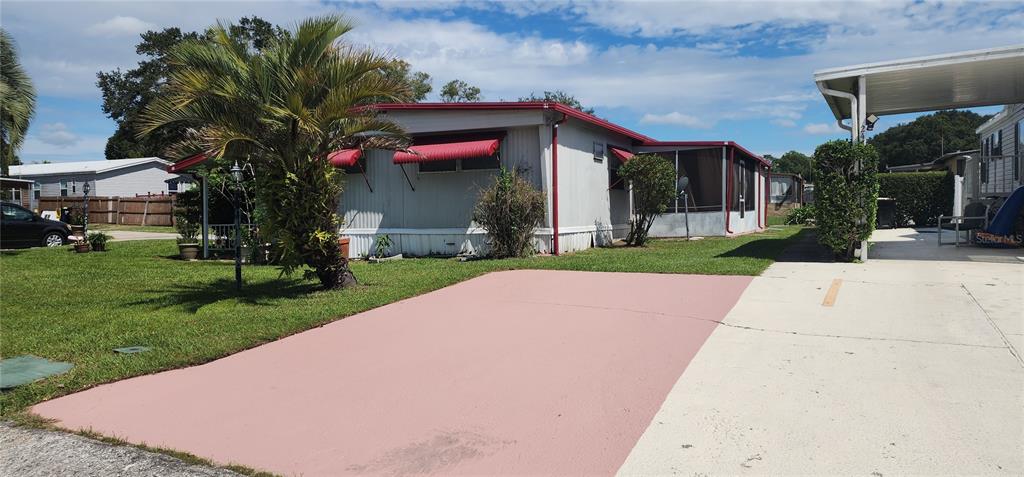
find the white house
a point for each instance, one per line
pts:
(424, 202)
(111, 178)
(1000, 168)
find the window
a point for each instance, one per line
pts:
(63, 187)
(14, 213)
(997, 143)
(1018, 149)
(983, 166)
(598, 151)
(359, 167)
(439, 166)
(37, 190)
(172, 185)
(483, 163)
(614, 181)
(15, 195)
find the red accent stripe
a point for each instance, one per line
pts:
(345, 157)
(449, 151)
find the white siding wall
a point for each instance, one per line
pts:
(50, 185)
(1000, 170)
(436, 217)
(131, 181)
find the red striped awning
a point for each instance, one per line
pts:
(345, 157)
(449, 151)
(622, 154)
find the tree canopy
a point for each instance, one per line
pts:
(127, 93)
(283, 110)
(794, 162)
(559, 96)
(17, 103)
(458, 91)
(928, 137)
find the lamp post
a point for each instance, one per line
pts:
(681, 184)
(236, 173)
(85, 207)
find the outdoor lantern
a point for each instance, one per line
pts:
(236, 173)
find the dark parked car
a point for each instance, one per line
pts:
(19, 227)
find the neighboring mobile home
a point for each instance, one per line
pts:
(1000, 168)
(108, 178)
(786, 193)
(425, 201)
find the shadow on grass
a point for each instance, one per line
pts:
(800, 247)
(192, 297)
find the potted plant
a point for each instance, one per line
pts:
(188, 243)
(81, 246)
(98, 241)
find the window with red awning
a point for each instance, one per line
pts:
(622, 154)
(449, 151)
(345, 157)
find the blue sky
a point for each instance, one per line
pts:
(672, 70)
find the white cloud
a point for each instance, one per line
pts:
(785, 123)
(57, 134)
(822, 128)
(120, 26)
(675, 118)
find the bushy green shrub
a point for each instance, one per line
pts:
(920, 196)
(188, 215)
(653, 181)
(846, 194)
(510, 210)
(801, 215)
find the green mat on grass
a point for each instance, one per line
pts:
(26, 369)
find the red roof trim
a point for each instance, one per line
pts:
(559, 107)
(449, 151)
(186, 163)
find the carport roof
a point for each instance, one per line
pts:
(956, 80)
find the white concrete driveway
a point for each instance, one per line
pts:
(913, 366)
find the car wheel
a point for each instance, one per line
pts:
(53, 239)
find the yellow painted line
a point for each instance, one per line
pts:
(830, 297)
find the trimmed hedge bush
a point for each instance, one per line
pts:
(803, 215)
(653, 179)
(846, 194)
(920, 196)
(510, 210)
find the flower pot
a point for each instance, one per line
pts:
(188, 251)
(343, 245)
(81, 248)
(246, 254)
(99, 247)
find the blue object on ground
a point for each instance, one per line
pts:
(1005, 219)
(25, 369)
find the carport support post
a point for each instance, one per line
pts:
(859, 130)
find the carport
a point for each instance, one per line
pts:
(862, 93)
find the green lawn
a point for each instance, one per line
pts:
(776, 220)
(78, 307)
(133, 228)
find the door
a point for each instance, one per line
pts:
(17, 226)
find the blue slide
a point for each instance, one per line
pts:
(999, 231)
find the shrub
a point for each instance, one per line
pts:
(98, 239)
(920, 196)
(846, 194)
(801, 215)
(510, 210)
(653, 179)
(188, 215)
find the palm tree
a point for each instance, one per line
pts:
(284, 109)
(17, 103)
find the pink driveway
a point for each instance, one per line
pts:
(524, 372)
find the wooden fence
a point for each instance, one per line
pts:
(144, 210)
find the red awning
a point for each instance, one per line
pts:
(449, 151)
(622, 154)
(186, 163)
(345, 157)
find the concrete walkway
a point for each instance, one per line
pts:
(131, 235)
(901, 365)
(522, 372)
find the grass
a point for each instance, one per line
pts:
(776, 220)
(78, 307)
(133, 228)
